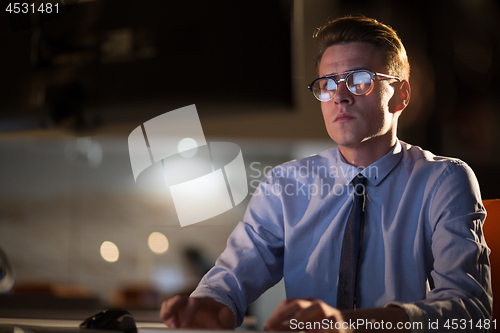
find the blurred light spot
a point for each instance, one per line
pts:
(187, 147)
(94, 155)
(84, 150)
(157, 242)
(109, 251)
(170, 279)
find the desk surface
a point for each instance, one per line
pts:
(8, 325)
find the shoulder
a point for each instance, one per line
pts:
(444, 176)
(423, 160)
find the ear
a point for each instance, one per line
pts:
(402, 95)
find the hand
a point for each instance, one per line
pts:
(196, 312)
(302, 311)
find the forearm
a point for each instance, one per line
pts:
(441, 314)
(250, 264)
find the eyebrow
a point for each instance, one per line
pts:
(350, 70)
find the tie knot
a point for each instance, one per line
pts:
(359, 184)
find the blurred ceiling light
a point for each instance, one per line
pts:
(109, 251)
(187, 147)
(84, 150)
(94, 155)
(158, 242)
(170, 279)
(118, 45)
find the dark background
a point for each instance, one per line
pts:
(115, 52)
(75, 70)
(82, 80)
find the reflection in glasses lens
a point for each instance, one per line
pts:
(358, 82)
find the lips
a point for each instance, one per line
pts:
(344, 117)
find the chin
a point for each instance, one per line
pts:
(346, 142)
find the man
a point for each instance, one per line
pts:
(419, 258)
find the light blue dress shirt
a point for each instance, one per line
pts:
(423, 247)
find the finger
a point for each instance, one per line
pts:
(172, 322)
(204, 312)
(311, 314)
(170, 310)
(172, 305)
(165, 314)
(191, 310)
(226, 318)
(314, 312)
(319, 311)
(284, 312)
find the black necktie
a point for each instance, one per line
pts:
(349, 257)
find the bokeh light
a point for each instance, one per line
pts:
(158, 242)
(109, 251)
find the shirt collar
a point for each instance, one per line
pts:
(374, 173)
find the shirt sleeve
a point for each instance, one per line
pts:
(253, 259)
(460, 296)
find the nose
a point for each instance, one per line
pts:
(343, 94)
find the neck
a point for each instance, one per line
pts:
(368, 152)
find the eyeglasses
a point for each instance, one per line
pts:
(359, 82)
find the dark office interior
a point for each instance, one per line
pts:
(74, 84)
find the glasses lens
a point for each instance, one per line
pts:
(359, 83)
(324, 89)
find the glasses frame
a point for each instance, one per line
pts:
(347, 75)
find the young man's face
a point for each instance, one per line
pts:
(355, 120)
